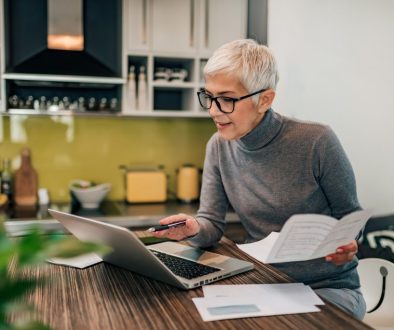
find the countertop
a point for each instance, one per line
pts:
(116, 212)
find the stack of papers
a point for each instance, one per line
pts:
(222, 302)
(81, 261)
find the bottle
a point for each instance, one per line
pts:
(142, 89)
(26, 181)
(103, 104)
(6, 180)
(29, 102)
(81, 104)
(13, 101)
(113, 104)
(131, 91)
(43, 103)
(92, 104)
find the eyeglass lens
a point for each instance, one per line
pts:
(225, 104)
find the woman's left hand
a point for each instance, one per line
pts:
(343, 254)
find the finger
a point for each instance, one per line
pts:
(351, 247)
(160, 233)
(339, 259)
(174, 218)
(190, 228)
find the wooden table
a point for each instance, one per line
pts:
(108, 297)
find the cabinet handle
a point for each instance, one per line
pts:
(192, 23)
(144, 21)
(206, 36)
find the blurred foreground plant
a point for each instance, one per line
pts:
(31, 249)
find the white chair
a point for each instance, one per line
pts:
(377, 286)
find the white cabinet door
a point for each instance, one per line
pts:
(174, 25)
(137, 24)
(221, 21)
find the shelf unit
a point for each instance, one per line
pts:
(140, 47)
(155, 28)
(167, 97)
(36, 94)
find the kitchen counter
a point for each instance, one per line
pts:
(134, 216)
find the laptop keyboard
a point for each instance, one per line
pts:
(183, 267)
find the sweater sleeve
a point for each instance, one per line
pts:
(335, 175)
(213, 200)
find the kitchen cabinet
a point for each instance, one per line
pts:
(174, 25)
(182, 34)
(221, 21)
(175, 36)
(138, 24)
(205, 24)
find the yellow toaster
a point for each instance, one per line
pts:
(146, 186)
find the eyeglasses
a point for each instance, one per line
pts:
(224, 103)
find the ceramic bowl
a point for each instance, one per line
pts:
(89, 196)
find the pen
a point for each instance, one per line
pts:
(164, 227)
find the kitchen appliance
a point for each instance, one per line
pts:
(145, 184)
(188, 183)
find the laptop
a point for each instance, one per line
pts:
(170, 262)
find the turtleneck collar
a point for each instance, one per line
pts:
(263, 133)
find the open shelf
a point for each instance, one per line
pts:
(60, 78)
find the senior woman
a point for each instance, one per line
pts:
(269, 167)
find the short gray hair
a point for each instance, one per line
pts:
(253, 64)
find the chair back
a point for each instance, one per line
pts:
(377, 286)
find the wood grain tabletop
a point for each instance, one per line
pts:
(107, 297)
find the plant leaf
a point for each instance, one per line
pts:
(14, 289)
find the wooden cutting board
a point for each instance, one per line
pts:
(26, 181)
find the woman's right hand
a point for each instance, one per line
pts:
(191, 227)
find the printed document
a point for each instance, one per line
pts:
(251, 300)
(307, 236)
(280, 292)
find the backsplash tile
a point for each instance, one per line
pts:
(66, 148)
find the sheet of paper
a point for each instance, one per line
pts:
(213, 308)
(300, 237)
(348, 226)
(81, 261)
(307, 236)
(278, 292)
(260, 249)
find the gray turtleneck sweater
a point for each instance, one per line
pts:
(282, 167)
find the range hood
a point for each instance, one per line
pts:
(73, 37)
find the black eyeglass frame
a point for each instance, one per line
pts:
(233, 99)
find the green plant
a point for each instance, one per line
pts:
(31, 249)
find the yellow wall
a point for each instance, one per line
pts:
(67, 148)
